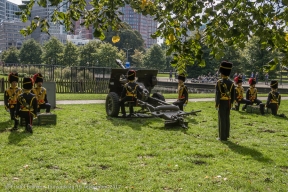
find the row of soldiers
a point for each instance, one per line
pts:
(25, 103)
(227, 94)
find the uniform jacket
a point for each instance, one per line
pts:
(239, 93)
(251, 94)
(225, 90)
(26, 102)
(41, 95)
(131, 89)
(183, 93)
(273, 97)
(10, 97)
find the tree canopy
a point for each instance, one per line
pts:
(228, 22)
(30, 52)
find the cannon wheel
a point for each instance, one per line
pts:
(158, 96)
(112, 104)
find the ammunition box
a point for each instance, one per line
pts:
(256, 109)
(47, 119)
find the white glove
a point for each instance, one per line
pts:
(8, 110)
(184, 105)
(217, 108)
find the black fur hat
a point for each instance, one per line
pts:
(131, 75)
(274, 84)
(252, 81)
(182, 77)
(238, 79)
(225, 68)
(38, 77)
(28, 83)
(13, 77)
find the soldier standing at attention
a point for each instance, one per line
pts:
(274, 98)
(10, 98)
(40, 93)
(239, 93)
(251, 95)
(130, 92)
(182, 92)
(225, 92)
(27, 104)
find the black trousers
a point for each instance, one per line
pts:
(46, 106)
(132, 101)
(27, 116)
(273, 107)
(244, 101)
(13, 115)
(224, 119)
(180, 104)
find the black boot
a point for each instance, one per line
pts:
(29, 128)
(262, 106)
(16, 123)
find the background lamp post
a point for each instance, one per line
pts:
(127, 52)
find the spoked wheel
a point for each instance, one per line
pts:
(112, 104)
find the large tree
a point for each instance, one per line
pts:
(11, 55)
(227, 22)
(30, 52)
(53, 52)
(71, 54)
(88, 56)
(155, 58)
(107, 54)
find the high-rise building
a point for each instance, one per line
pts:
(10, 35)
(11, 8)
(145, 25)
(2, 9)
(55, 30)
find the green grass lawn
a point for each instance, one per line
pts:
(87, 150)
(69, 96)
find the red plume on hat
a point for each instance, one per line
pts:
(38, 77)
(252, 81)
(236, 79)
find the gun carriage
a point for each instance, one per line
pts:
(150, 106)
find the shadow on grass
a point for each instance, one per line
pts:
(3, 125)
(247, 152)
(15, 137)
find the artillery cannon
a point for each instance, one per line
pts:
(150, 106)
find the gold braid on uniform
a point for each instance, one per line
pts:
(252, 93)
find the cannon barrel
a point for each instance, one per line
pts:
(119, 63)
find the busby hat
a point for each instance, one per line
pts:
(28, 83)
(182, 77)
(225, 68)
(38, 77)
(252, 81)
(13, 77)
(131, 75)
(238, 79)
(274, 84)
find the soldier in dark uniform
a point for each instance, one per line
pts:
(27, 104)
(225, 94)
(251, 95)
(10, 98)
(182, 92)
(40, 93)
(274, 98)
(130, 92)
(239, 90)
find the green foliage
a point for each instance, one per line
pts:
(155, 58)
(88, 53)
(71, 54)
(53, 52)
(107, 54)
(30, 52)
(137, 59)
(11, 55)
(88, 150)
(227, 23)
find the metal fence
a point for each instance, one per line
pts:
(99, 85)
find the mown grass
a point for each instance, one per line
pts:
(87, 150)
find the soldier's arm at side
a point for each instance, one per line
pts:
(186, 94)
(268, 99)
(217, 95)
(233, 93)
(279, 99)
(35, 105)
(6, 98)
